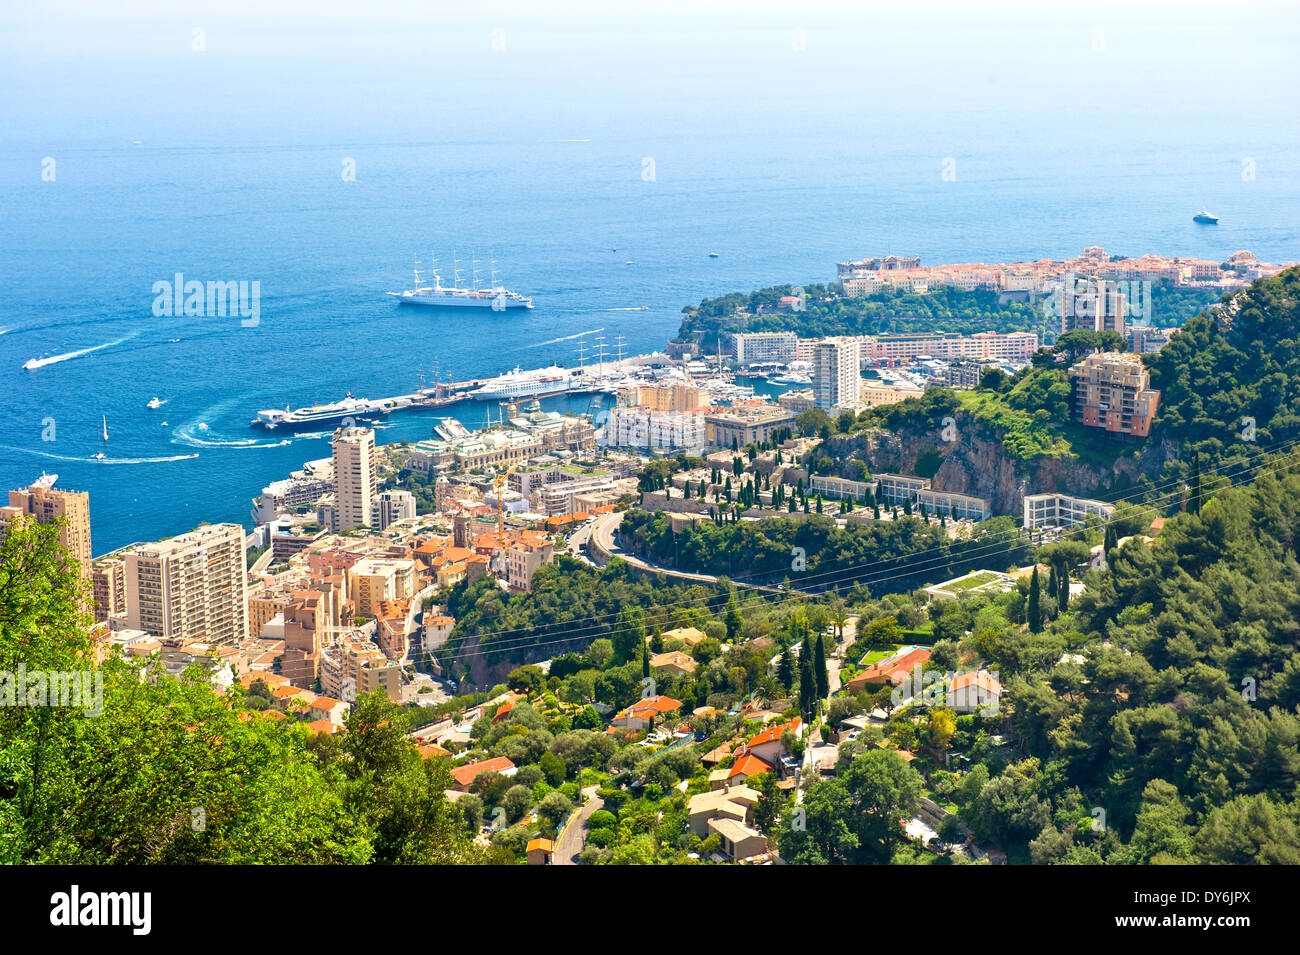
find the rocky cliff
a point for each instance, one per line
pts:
(977, 463)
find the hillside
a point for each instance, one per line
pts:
(1219, 373)
(944, 309)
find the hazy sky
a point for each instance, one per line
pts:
(72, 71)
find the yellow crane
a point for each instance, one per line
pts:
(498, 487)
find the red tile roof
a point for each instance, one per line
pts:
(749, 765)
(464, 775)
(774, 732)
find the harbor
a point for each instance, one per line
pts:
(513, 387)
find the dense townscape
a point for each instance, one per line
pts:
(1004, 572)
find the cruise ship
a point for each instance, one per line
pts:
(494, 296)
(527, 384)
(358, 409)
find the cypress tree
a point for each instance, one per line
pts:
(819, 668)
(807, 685)
(1035, 605)
(1051, 584)
(785, 669)
(1063, 592)
(1194, 499)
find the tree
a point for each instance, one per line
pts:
(812, 422)
(768, 809)
(807, 685)
(516, 801)
(817, 832)
(1161, 833)
(785, 669)
(553, 767)
(554, 809)
(526, 679)
(1194, 496)
(855, 819)
(733, 620)
(942, 726)
(1035, 604)
(628, 638)
(1250, 830)
(819, 667)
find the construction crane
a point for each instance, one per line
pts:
(498, 488)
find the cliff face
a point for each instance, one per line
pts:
(976, 463)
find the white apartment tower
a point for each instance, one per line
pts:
(356, 482)
(393, 506)
(836, 373)
(191, 587)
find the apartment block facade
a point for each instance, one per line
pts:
(191, 587)
(1111, 391)
(356, 480)
(47, 504)
(752, 347)
(837, 373)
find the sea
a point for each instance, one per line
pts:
(597, 157)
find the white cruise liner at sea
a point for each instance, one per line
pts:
(495, 296)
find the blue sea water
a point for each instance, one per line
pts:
(226, 164)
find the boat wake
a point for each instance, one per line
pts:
(64, 457)
(258, 447)
(34, 363)
(185, 438)
(182, 436)
(566, 338)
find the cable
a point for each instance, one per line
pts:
(912, 567)
(847, 575)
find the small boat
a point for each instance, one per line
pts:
(154, 403)
(100, 455)
(713, 255)
(1206, 218)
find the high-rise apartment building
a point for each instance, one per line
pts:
(1093, 305)
(356, 481)
(190, 587)
(1112, 391)
(47, 504)
(108, 578)
(836, 373)
(393, 506)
